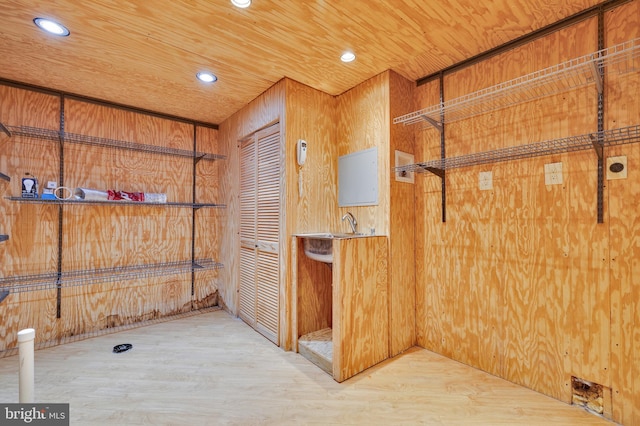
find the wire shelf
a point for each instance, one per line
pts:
(116, 203)
(54, 135)
(572, 74)
(3, 237)
(587, 141)
(51, 281)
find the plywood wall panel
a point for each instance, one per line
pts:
(364, 123)
(209, 223)
(402, 294)
(32, 229)
(93, 119)
(101, 236)
(508, 283)
(529, 122)
(91, 308)
(129, 171)
(314, 293)
(105, 236)
(36, 309)
(429, 247)
(624, 196)
(310, 115)
(209, 228)
(208, 172)
(623, 109)
(360, 296)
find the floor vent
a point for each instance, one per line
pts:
(588, 395)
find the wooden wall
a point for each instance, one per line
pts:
(521, 281)
(98, 236)
(362, 123)
(364, 120)
(622, 108)
(310, 115)
(303, 113)
(402, 218)
(32, 228)
(356, 120)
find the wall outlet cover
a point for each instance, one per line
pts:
(616, 167)
(553, 174)
(404, 159)
(485, 181)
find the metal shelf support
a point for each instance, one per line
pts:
(4, 129)
(3, 237)
(433, 122)
(5, 177)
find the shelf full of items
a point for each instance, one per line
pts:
(68, 198)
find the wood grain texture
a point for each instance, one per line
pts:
(364, 123)
(622, 108)
(508, 284)
(314, 296)
(107, 236)
(310, 115)
(32, 228)
(402, 291)
(212, 367)
(209, 222)
(430, 233)
(135, 54)
(360, 305)
(88, 309)
(96, 237)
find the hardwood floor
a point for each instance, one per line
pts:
(212, 369)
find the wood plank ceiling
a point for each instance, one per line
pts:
(145, 53)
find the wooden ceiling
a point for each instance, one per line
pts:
(145, 53)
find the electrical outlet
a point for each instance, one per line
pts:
(617, 167)
(553, 174)
(485, 181)
(52, 184)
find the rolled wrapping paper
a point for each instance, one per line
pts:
(112, 195)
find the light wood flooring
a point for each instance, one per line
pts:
(212, 369)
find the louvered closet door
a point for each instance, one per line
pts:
(260, 186)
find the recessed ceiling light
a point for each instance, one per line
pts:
(51, 27)
(207, 77)
(348, 57)
(241, 3)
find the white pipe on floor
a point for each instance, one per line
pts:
(25, 351)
